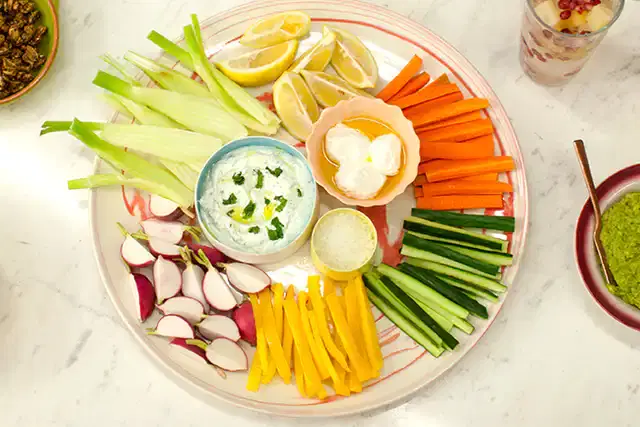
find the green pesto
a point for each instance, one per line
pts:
(621, 239)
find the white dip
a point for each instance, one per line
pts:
(258, 199)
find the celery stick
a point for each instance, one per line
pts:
(120, 68)
(195, 113)
(115, 102)
(164, 183)
(172, 49)
(201, 62)
(185, 173)
(108, 180)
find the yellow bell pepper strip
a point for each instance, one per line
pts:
(299, 373)
(361, 366)
(303, 298)
(273, 340)
(268, 375)
(301, 344)
(353, 317)
(329, 286)
(369, 330)
(255, 374)
(262, 351)
(278, 297)
(354, 383)
(287, 339)
(339, 387)
(319, 311)
(342, 373)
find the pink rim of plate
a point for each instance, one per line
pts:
(583, 242)
(465, 72)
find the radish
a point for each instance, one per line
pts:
(133, 252)
(192, 278)
(161, 248)
(168, 231)
(246, 278)
(218, 326)
(187, 307)
(192, 351)
(243, 317)
(216, 291)
(173, 326)
(167, 278)
(144, 295)
(227, 355)
(213, 255)
(163, 208)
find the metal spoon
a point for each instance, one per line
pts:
(588, 179)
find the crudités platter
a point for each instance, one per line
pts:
(392, 40)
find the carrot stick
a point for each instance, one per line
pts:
(441, 170)
(416, 83)
(418, 192)
(456, 150)
(422, 179)
(428, 93)
(447, 111)
(461, 132)
(416, 111)
(464, 118)
(451, 187)
(403, 77)
(455, 202)
(442, 79)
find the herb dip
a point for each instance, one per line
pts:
(258, 199)
(621, 239)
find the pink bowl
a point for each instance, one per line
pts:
(609, 192)
(375, 109)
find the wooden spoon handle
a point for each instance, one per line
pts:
(588, 178)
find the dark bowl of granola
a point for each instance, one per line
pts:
(29, 36)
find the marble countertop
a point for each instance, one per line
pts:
(552, 358)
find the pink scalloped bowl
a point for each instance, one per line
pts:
(375, 109)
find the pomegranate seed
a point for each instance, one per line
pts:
(582, 33)
(596, 2)
(579, 2)
(588, 6)
(566, 31)
(564, 4)
(565, 14)
(579, 9)
(572, 4)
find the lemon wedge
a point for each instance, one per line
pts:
(317, 58)
(329, 89)
(260, 66)
(352, 60)
(295, 105)
(276, 29)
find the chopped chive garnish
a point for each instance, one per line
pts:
(282, 204)
(230, 200)
(276, 223)
(267, 201)
(260, 181)
(275, 172)
(248, 210)
(238, 178)
(299, 192)
(230, 212)
(278, 232)
(254, 230)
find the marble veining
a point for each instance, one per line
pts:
(552, 357)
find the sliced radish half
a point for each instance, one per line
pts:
(163, 208)
(243, 317)
(144, 295)
(227, 355)
(246, 278)
(212, 254)
(189, 350)
(218, 326)
(134, 253)
(161, 248)
(173, 326)
(187, 307)
(168, 231)
(167, 278)
(217, 292)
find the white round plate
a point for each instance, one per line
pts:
(393, 40)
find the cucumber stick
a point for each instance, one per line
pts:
(465, 276)
(489, 257)
(413, 286)
(443, 336)
(402, 323)
(444, 323)
(412, 252)
(383, 289)
(431, 228)
(456, 259)
(454, 294)
(470, 289)
(500, 223)
(459, 323)
(457, 243)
